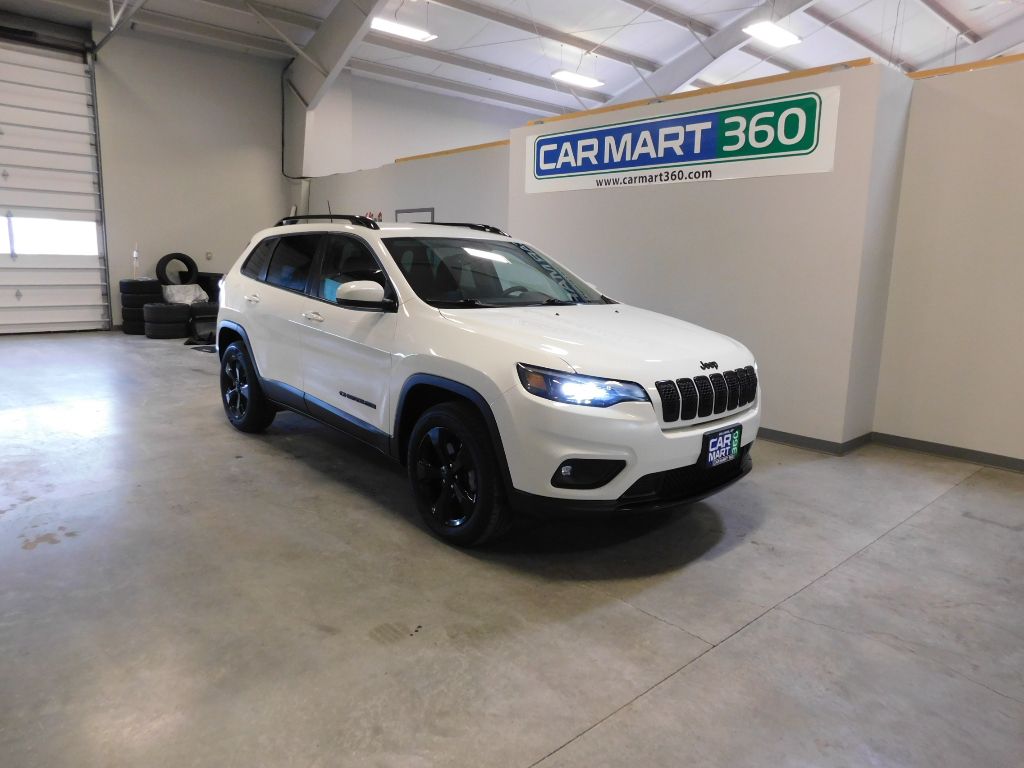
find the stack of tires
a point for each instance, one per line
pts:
(167, 321)
(135, 295)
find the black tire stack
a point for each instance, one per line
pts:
(145, 312)
(136, 294)
(167, 321)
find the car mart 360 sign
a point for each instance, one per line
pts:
(791, 134)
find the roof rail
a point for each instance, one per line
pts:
(362, 221)
(479, 227)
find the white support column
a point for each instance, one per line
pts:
(331, 48)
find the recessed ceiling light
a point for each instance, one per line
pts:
(771, 33)
(575, 78)
(401, 30)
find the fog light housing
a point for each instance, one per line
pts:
(586, 473)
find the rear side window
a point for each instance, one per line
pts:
(292, 261)
(256, 265)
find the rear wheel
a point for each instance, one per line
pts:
(454, 476)
(244, 403)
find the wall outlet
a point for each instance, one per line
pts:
(209, 255)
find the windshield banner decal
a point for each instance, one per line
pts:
(771, 137)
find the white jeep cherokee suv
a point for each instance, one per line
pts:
(500, 379)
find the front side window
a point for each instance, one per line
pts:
(485, 273)
(292, 261)
(346, 260)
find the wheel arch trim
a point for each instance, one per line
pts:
(465, 392)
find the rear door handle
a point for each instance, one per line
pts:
(316, 317)
(253, 298)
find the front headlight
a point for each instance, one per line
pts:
(578, 390)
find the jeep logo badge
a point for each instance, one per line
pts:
(712, 364)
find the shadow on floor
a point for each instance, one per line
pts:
(617, 548)
(609, 549)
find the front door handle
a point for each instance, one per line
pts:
(253, 298)
(316, 317)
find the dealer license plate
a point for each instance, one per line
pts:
(721, 446)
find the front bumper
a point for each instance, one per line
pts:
(538, 435)
(673, 488)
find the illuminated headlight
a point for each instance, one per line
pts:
(578, 390)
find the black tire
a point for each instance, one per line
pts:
(145, 286)
(246, 407)
(191, 268)
(203, 309)
(455, 477)
(139, 300)
(134, 327)
(167, 330)
(132, 315)
(166, 313)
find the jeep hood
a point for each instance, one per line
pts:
(608, 340)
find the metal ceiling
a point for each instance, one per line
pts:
(504, 51)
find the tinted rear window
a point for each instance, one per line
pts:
(256, 265)
(292, 261)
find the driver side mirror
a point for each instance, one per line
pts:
(365, 294)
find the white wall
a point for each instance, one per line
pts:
(191, 151)
(793, 266)
(364, 123)
(953, 360)
(467, 186)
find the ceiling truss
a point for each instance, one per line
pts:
(290, 33)
(550, 33)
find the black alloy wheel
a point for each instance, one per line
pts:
(246, 407)
(447, 477)
(236, 394)
(454, 474)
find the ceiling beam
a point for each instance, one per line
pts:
(943, 14)
(393, 43)
(695, 59)
(330, 48)
(177, 27)
(464, 89)
(550, 33)
(118, 20)
(670, 14)
(174, 26)
(272, 12)
(1001, 40)
(702, 29)
(850, 34)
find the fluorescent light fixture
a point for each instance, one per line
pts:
(389, 27)
(772, 34)
(575, 78)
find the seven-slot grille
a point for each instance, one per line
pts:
(701, 396)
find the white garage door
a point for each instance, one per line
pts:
(53, 274)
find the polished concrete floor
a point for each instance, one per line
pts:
(174, 593)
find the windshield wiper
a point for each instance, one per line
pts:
(558, 303)
(459, 303)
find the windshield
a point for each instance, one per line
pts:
(462, 272)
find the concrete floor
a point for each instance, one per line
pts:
(174, 593)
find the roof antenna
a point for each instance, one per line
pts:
(330, 212)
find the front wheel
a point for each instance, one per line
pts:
(244, 403)
(454, 476)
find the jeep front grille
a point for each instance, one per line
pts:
(669, 400)
(705, 395)
(701, 396)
